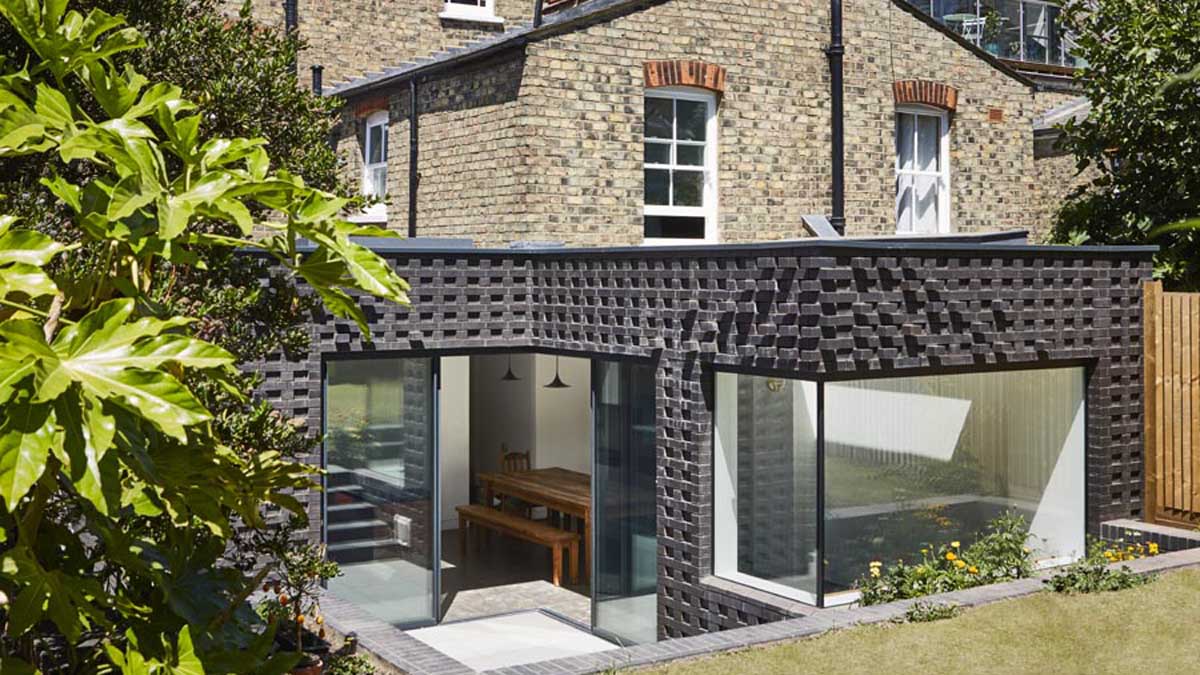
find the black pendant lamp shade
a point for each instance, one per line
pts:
(557, 382)
(509, 376)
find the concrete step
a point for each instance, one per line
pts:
(364, 550)
(348, 511)
(356, 530)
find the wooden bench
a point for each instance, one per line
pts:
(558, 541)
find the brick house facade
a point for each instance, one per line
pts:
(542, 136)
(530, 133)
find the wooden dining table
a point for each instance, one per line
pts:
(568, 492)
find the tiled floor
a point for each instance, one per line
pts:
(505, 575)
(511, 639)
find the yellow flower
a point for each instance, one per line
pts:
(1153, 548)
(950, 556)
(875, 572)
(959, 564)
(973, 569)
(1025, 549)
(954, 544)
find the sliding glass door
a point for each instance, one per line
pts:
(624, 581)
(381, 501)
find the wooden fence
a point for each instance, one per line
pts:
(1172, 405)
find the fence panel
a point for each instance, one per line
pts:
(1172, 404)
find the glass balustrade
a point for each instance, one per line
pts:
(1018, 30)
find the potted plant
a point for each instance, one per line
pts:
(295, 602)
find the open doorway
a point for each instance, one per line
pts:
(516, 424)
(468, 486)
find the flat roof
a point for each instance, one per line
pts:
(1011, 242)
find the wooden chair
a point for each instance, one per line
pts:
(514, 462)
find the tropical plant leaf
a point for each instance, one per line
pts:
(25, 441)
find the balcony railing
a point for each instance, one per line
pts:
(1018, 30)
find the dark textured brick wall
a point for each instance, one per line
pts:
(793, 309)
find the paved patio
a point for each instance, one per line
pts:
(416, 657)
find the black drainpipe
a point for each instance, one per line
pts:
(537, 13)
(291, 16)
(291, 22)
(413, 176)
(835, 51)
(317, 72)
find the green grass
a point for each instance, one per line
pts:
(1153, 628)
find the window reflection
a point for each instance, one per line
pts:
(1018, 30)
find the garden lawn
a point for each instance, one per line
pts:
(1153, 628)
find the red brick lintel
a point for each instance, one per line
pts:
(684, 74)
(369, 105)
(924, 92)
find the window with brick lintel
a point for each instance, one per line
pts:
(680, 166)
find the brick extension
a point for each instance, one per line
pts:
(796, 309)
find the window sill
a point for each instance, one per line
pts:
(489, 19)
(662, 241)
(779, 603)
(370, 217)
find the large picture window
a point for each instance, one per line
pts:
(766, 484)
(680, 166)
(907, 462)
(922, 171)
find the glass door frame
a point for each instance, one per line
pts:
(435, 483)
(593, 550)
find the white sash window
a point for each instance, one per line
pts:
(922, 171)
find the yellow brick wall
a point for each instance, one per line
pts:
(352, 37)
(547, 142)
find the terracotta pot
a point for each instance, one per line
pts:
(313, 668)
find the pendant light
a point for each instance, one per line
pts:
(557, 382)
(509, 376)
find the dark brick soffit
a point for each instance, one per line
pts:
(569, 19)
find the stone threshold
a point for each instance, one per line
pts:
(409, 655)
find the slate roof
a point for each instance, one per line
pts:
(555, 22)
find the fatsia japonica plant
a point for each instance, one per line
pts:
(119, 496)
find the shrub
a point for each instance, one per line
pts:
(350, 664)
(1095, 572)
(922, 612)
(1000, 554)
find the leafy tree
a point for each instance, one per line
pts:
(119, 488)
(1142, 136)
(241, 76)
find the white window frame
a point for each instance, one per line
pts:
(375, 213)
(484, 11)
(943, 175)
(709, 210)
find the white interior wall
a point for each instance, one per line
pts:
(563, 431)
(455, 435)
(501, 412)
